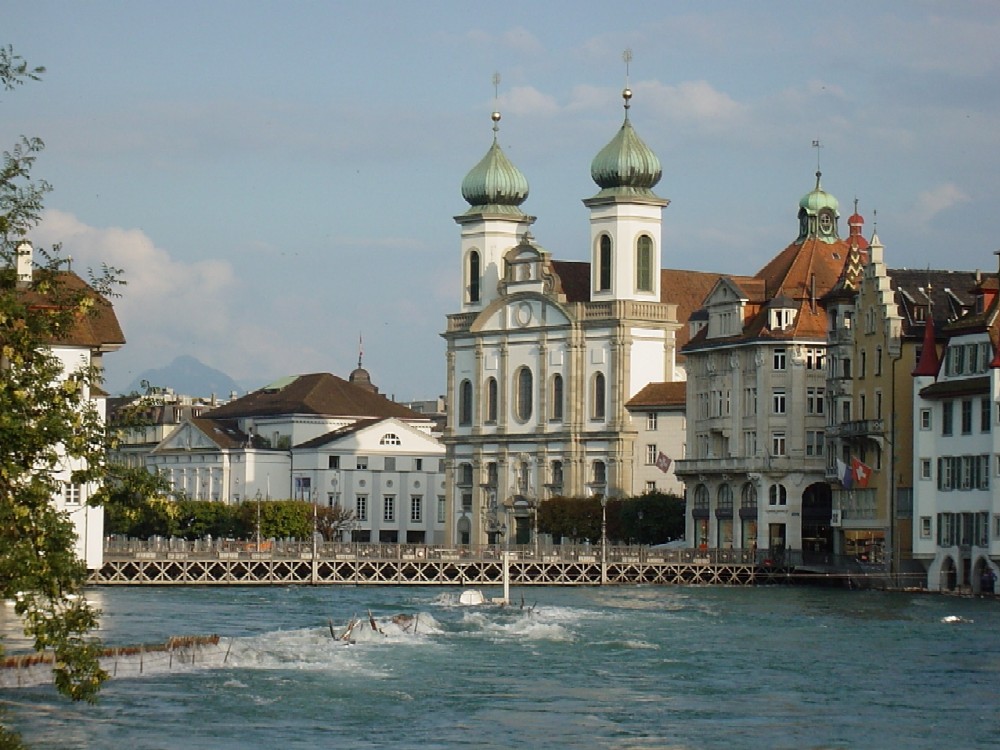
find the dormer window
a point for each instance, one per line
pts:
(781, 318)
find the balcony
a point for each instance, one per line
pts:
(861, 428)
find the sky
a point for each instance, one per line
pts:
(279, 180)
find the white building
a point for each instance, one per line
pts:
(956, 454)
(84, 346)
(545, 354)
(320, 438)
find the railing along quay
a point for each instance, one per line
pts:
(180, 562)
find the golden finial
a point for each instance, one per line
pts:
(496, 108)
(627, 92)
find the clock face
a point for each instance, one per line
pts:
(825, 223)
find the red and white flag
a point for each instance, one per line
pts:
(860, 473)
(663, 462)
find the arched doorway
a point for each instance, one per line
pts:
(983, 578)
(817, 534)
(948, 575)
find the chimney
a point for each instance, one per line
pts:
(24, 260)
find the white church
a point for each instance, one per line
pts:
(545, 355)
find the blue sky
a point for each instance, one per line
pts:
(279, 178)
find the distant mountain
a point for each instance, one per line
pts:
(187, 376)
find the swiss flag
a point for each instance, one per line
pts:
(860, 473)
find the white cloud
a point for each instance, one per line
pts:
(527, 100)
(696, 101)
(932, 202)
(167, 307)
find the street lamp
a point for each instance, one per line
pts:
(604, 539)
(315, 493)
(258, 520)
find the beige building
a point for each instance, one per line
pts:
(877, 322)
(756, 398)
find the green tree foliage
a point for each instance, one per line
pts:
(647, 519)
(157, 515)
(44, 422)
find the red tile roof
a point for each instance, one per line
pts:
(318, 393)
(661, 395)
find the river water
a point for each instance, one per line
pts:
(614, 667)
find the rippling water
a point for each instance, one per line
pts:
(614, 667)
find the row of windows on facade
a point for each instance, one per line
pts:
(967, 411)
(523, 393)
(968, 359)
(960, 472)
(644, 271)
(388, 463)
(811, 359)
(465, 474)
(718, 402)
(965, 529)
(715, 445)
(777, 494)
(389, 509)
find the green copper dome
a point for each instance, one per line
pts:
(818, 198)
(626, 166)
(495, 185)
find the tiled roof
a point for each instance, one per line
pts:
(227, 434)
(686, 289)
(321, 393)
(97, 330)
(804, 266)
(659, 395)
(949, 296)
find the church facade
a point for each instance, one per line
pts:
(544, 355)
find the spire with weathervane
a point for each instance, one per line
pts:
(494, 190)
(626, 215)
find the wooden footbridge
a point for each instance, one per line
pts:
(178, 562)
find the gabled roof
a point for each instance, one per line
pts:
(320, 393)
(98, 329)
(360, 426)
(335, 435)
(659, 395)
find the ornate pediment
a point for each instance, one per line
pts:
(187, 437)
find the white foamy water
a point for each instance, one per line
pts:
(628, 667)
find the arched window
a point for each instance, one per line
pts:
(557, 398)
(465, 403)
(474, 276)
(725, 499)
(491, 401)
(778, 495)
(604, 264)
(644, 264)
(523, 400)
(390, 438)
(600, 396)
(701, 498)
(748, 498)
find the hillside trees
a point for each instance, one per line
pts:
(46, 420)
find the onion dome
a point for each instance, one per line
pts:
(626, 166)
(495, 185)
(855, 219)
(817, 199)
